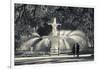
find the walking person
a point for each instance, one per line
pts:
(77, 49)
(73, 50)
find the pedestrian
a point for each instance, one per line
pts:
(73, 50)
(77, 49)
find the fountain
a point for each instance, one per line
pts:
(58, 42)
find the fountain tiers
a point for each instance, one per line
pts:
(54, 38)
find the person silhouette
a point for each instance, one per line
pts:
(73, 50)
(77, 49)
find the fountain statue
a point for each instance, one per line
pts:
(54, 27)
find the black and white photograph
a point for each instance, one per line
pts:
(52, 34)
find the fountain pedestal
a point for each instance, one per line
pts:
(54, 45)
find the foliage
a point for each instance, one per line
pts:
(28, 16)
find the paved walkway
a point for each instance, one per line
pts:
(52, 59)
(54, 56)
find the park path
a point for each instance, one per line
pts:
(52, 59)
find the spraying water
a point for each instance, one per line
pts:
(58, 41)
